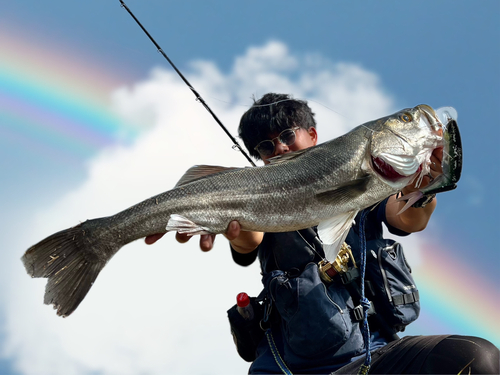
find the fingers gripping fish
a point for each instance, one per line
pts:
(325, 185)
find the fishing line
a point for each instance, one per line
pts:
(236, 145)
(279, 101)
(307, 100)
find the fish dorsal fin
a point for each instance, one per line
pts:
(333, 232)
(286, 157)
(199, 171)
(343, 192)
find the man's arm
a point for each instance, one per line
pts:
(412, 220)
(243, 242)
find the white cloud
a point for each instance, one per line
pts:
(161, 309)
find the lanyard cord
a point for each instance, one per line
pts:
(364, 301)
(236, 145)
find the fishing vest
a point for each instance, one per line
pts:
(320, 320)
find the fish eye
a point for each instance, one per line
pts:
(406, 117)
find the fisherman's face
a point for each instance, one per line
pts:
(303, 139)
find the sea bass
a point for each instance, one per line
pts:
(325, 185)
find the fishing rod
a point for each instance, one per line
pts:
(198, 96)
(311, 235)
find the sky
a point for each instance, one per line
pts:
(94, 120)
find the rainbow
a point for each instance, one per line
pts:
(455, 297)
(56, 106)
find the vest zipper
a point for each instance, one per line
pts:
(384, 275)
(328, 296)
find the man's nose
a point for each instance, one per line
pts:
(280, 148)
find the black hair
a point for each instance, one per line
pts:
(272, 114)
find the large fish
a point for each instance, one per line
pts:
(325, 185)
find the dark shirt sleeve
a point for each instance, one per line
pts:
(244, 259)
(382, 218)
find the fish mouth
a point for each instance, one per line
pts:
(387, 171)
(429, 115)
(439, 118)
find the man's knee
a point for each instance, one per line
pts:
(467, 354)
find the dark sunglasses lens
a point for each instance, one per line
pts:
(287, 137)
(265, 148)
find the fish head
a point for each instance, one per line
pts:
(402, 143)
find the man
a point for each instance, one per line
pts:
(275, 125)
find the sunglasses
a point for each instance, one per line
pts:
(286, 137)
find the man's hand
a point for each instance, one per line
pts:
(435, 170)
(153, 238)
(206, 240)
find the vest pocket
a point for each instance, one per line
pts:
(315, 318)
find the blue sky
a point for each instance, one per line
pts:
(441, 53)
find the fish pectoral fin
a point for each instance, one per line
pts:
(181, 224)
(344, 192)
(200, 171)
(333, 232)
(410, 199)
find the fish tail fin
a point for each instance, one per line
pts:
(69, 261)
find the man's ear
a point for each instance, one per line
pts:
(313, 134)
